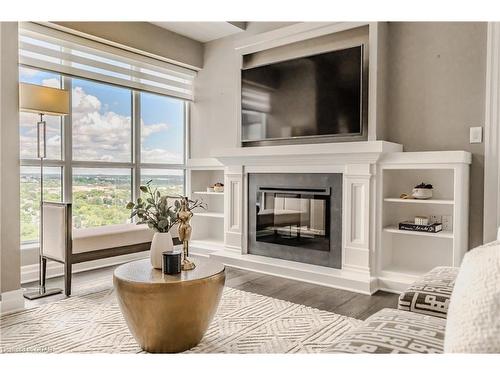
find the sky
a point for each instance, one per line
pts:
(101, 117)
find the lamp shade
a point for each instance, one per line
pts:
(44, 100)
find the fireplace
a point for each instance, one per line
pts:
(296, 216)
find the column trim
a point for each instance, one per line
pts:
(491, 218)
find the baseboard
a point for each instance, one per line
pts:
(359, 282)
(29, 273)
(12, 301)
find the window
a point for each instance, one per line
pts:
(56, 51)
(92, 160)
(27, 121)
(100, 196)
(101, 121)
(167, 181)
(30, 165)
(30, 197)
(162, 129)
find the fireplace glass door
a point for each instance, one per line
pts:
(294, 217)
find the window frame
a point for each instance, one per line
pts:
(67, 164)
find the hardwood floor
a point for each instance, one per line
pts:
(324, 298)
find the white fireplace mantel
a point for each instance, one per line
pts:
(355, 160)
(321, 153)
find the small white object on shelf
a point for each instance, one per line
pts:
(435, 219)
(447, 221)
(421, 220)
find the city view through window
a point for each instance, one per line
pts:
(102, 162)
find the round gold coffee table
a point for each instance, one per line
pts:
(168, 313)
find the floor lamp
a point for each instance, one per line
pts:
(42, 101)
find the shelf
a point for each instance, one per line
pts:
(208, 193)
(420, 201)
(442, 234)
(219, 215)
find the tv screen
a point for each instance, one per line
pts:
(317, 97)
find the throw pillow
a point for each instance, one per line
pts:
(473, 323)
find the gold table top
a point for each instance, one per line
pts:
(142, 272)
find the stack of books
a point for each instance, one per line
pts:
(429, 228)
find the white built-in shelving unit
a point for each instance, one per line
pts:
(403, 256)
(208, 225)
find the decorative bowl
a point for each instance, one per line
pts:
(422, 193)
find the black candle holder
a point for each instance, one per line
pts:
(171, 264)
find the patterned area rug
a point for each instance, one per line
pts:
(244, 323)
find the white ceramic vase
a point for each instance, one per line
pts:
(161, 242)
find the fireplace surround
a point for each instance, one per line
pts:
(355, 164)
(296, 217)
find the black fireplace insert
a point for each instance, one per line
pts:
(296, 217)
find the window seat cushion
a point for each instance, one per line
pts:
(110, 236)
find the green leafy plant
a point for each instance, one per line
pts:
(157, 210)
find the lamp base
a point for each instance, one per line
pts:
(41, 292)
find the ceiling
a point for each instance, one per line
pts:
(203, 31)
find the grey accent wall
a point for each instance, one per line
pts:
(436, 91)
(9, 159)
(145, 37)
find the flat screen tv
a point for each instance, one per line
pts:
(318, 98)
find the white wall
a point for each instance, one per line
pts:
(9, 159)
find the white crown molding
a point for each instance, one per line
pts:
(291, 34)
(203, 31)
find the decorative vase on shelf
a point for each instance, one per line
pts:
(422, 191)
(161, 242)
